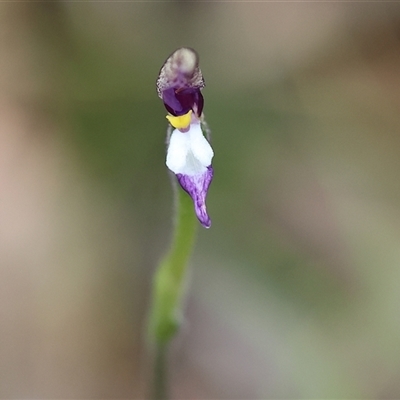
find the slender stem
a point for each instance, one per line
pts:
(169, 288)
(160, 379)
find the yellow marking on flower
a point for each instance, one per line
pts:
(180, 122)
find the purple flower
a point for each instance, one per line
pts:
(189, 154)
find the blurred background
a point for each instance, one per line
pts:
(295, 290)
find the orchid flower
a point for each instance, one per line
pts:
(189, 154)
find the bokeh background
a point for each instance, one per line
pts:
(295, 290)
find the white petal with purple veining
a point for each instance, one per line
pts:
(189, 152)
(189, 156)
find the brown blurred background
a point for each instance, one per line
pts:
(295, 289)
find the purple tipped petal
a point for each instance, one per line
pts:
(178, 101)
(197, 186)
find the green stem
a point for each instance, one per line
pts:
(169, 287)
(160, 378)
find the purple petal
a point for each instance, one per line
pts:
(178, 101)
(197, 186)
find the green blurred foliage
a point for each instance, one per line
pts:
(295, 287)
